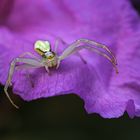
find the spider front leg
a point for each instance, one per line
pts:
(98, 52)
(77, 46)
(28, 61)
(91, 42)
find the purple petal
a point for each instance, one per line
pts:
(130, 108)
(96, 83)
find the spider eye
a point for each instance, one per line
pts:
(42, 46)
(49, 55)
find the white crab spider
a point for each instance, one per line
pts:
(51, 59)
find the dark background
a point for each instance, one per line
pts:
(62, 118)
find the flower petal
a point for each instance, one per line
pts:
(96, 83)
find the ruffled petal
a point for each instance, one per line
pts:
(96, 83)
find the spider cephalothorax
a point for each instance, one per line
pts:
(49, 55)
(51, 59)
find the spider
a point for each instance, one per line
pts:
(50, 59)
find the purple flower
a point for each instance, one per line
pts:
(114, 23)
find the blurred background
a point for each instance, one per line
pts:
(61, 118)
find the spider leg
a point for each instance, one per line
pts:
(55, 50)
(30, 54)
(91, 42)
(56, 45)
(59, 58)
(68, 51)
(57, 42)
(27, 61)
(58, 63)
(87, 42)
(100, 53)
(104, 55)
(25, 66)
(75, 47)
(81, 57)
